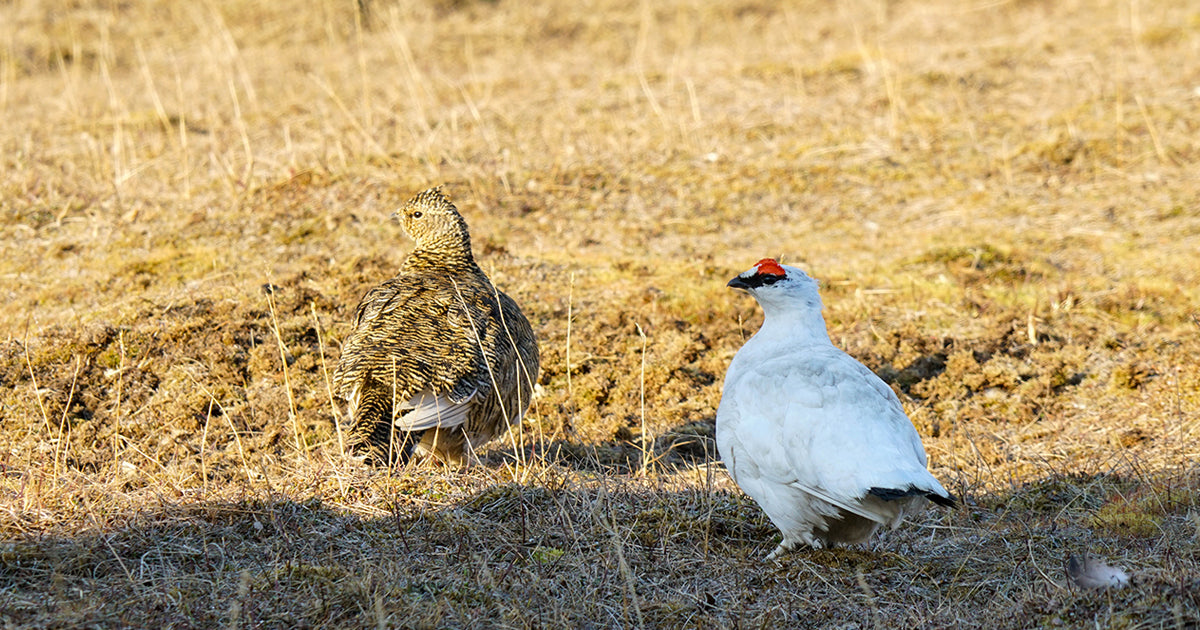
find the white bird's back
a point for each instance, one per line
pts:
(817, 439)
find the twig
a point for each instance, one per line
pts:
(1150, 128)
(491, 371)
(337, 423)
(647, 441)
(518, 413)
(204, 443)
(287, 384)
(367, 136)
(237, 438)
(1029, 545)
(62, 422)
(570, 304)
(619, 548)
(117, 415)
(37, 394)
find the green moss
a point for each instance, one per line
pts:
(1122, 517)
(545, 555)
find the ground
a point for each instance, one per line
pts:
(999, 198)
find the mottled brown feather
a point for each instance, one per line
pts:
(438, 325)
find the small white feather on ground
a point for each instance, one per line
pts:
(1088, 572)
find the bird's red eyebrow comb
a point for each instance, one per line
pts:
(769, 267)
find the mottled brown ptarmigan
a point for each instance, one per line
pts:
(440, 361)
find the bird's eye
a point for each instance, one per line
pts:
(417, 214)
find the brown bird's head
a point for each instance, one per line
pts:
(434, 224)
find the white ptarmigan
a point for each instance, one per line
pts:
(440, 361)
(815, 437)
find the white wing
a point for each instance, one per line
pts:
(427, 410)
(817, 420)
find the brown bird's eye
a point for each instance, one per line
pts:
(417, 214)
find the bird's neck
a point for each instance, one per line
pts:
(793, 326)
(431, 257)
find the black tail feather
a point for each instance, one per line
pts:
(892, 494)
(945, 501)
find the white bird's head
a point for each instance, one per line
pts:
(780, 289)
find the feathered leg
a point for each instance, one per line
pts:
(372, 431)
(443, 445)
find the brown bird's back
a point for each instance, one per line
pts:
(440, 361)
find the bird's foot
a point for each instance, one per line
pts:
(789, 545)
(784, 547)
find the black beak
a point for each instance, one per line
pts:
(754, 282)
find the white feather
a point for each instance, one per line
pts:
(808, 431)
(1088, 572)
(850, 506)
(427, 410)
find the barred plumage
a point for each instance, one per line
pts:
(440, 361)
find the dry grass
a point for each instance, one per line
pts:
(1000, 197)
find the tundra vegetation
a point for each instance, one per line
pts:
(1000, 198)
